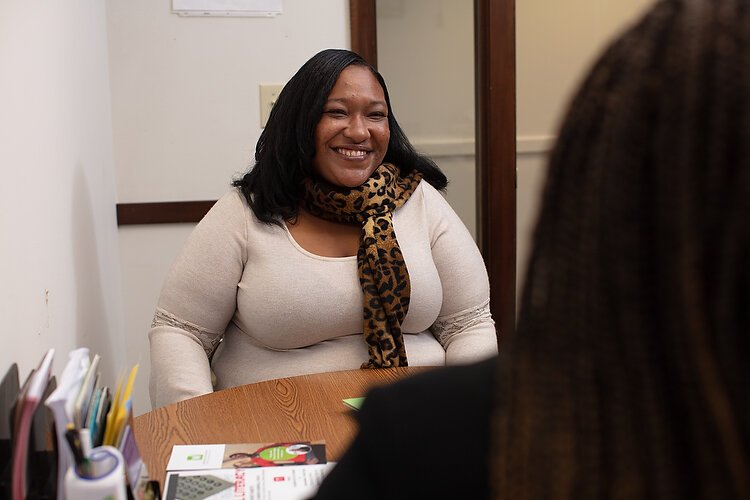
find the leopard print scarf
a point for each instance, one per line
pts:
(382, 270)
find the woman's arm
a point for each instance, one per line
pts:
(464, 326)
(197, 301)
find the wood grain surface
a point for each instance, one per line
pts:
(307, 407)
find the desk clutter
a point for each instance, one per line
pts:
(290, 470)
(71, 439)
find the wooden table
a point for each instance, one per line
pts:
(307, 407)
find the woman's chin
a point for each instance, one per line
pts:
(353, 180)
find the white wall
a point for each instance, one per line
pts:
(185, 104)
(59, 261)
(185, 98)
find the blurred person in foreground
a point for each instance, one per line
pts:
(628, 376)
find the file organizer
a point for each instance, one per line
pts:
(69, 440)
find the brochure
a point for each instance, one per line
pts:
(261, 483)
(246, 455)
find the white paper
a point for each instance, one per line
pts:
(261, 8)
(196, 457)
(296, 482)
(61, 403)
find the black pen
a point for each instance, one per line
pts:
(74, 441)
(152, 491)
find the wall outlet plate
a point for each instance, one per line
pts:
(269, 92)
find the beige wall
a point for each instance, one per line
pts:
(185, 97)
(59, 263)
(556, 42)
(426, 55)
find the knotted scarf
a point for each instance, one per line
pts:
(382, 270)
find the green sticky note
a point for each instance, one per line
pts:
(354, 403)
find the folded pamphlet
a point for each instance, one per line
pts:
(246, 455)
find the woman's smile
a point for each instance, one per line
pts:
(354, 154)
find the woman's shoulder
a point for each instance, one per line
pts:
(427, 200)
(425, 185)
(233, 200)
(431, 195)
(232, 204)
(230, 212)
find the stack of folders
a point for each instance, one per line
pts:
(68, 440)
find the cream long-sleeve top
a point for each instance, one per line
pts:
(283, 311)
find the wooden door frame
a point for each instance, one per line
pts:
(495, 101)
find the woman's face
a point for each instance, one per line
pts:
(352, 136)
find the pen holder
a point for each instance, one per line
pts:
(104, 479)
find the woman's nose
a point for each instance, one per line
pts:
(356, 129)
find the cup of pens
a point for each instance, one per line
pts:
(98, 476)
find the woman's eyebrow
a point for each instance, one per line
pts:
(345, 100)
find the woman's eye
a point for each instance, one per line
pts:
(378, 115)
(336, 112)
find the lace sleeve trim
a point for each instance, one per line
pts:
(445, 327)
(208, 339)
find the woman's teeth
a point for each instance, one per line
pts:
(354, 153)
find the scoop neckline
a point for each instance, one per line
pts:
(308, 253)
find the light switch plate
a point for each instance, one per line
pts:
(269, 92)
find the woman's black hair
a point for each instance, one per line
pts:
(628, 375)
(283, 155)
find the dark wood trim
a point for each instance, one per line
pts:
(164, 212)
(364, 30)
(495, 85)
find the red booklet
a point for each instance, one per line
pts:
(27, 403)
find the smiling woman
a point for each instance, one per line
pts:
(335, 251)
(351, 138)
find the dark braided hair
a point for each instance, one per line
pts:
(629, 376)
(283, 155)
